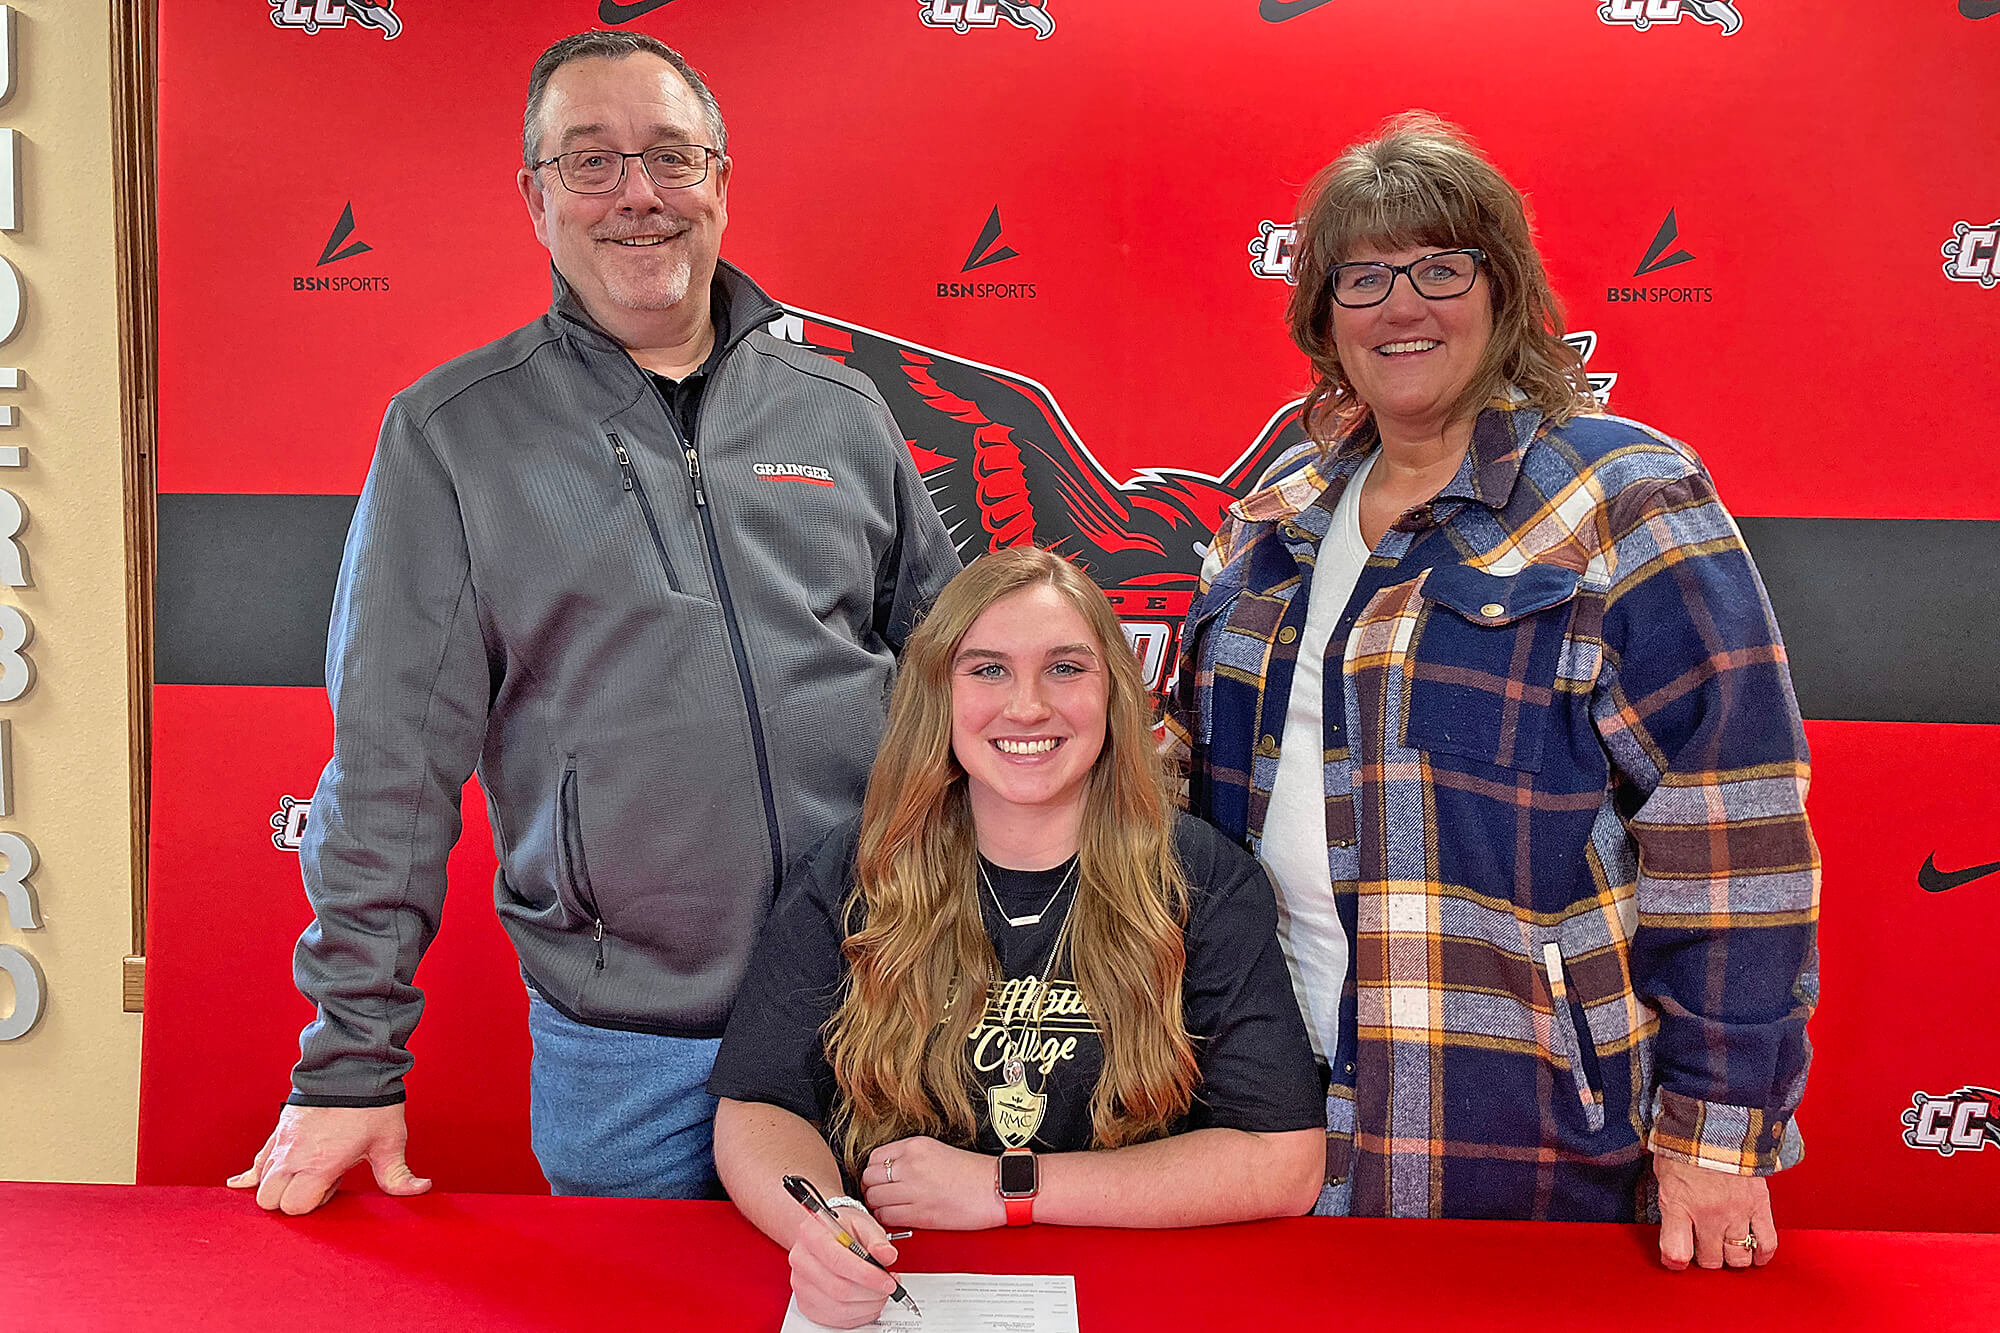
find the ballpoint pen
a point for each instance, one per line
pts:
(811, 1200)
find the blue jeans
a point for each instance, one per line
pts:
(624, 1114)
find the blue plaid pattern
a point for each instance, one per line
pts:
(1565, 808)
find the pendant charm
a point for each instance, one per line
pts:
(1016, 1113)
(1034, 920)
(1013, 1071)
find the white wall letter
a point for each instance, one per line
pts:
(10, 299)
(6, 52)
(13, 560)
(17, 673)
(28, 992)
(14, 886)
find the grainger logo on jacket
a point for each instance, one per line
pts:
(1643, 14)
(964, 15)
(1005, 468)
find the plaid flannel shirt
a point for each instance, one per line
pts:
(1565, 810)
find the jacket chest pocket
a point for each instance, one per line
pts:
(1482, 668)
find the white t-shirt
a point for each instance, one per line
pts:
(1294, 845)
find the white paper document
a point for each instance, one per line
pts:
(970, 1303)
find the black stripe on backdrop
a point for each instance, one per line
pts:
(1886, 620)
(1893, 620)
(245, 587)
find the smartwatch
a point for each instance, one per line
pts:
(1018, 1180)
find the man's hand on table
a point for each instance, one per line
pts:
(835, 1286)
(301, 1164)
(1705, 1214)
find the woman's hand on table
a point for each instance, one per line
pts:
(835, 1286)
(1704, 1216)
(921, 1183)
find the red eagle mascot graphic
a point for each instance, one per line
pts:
(1005, 468)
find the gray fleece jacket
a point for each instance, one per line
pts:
(667, 660)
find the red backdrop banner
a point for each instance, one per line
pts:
(1773, 226)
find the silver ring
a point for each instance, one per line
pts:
(889, 1170)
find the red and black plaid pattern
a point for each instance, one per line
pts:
(1565, 792)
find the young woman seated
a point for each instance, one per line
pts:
(1020, 987)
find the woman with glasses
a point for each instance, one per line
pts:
(1021, 988)
(1487, 680)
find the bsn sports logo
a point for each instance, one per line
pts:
(288, 826)
(1967, 1120)
(1643, 14)
(313, 15)
(340, 245)
(1973, 253)
(1663, 253)
(965, 15)
(1656, 256)
(986, 251)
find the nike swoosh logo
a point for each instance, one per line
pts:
(1929, 877)
(1277, 11)
(610, 11)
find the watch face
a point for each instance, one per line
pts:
(1018, 1175)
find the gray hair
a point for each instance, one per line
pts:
(610, 46)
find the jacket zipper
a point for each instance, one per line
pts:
(571, 837)
(694, 480)
(736, 650)
(632, 484)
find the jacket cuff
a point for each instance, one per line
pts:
(1739, 1140)
(333, 1099)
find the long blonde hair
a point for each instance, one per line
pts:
(1421, 181)
(920, 964)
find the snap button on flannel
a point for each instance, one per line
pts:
(1492, 609)
(1287, 634)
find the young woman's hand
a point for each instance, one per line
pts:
(921, 1183)
(835, 1286)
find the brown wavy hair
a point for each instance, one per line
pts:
(1422, 181)
(919, 959)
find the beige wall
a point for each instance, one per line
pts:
(69, 1089)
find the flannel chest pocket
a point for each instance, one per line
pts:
(1482, 668)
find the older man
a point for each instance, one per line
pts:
(643, 567)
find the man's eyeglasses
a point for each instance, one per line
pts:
(671, 166)
(1435, 277)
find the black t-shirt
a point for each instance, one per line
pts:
(683, 397)
(1257, 1071)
